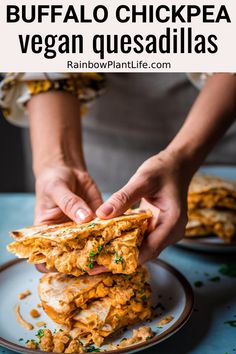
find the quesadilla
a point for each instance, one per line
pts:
(75, 249)
(204, 222)
(93, 307)
(211, 192)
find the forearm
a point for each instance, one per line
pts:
(211, 115)
(55, 129)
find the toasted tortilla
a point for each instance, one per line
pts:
(74, 249)
(96, 306)
(203, 222)
(211, 192)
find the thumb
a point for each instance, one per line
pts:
(120, 201)
(71, 205)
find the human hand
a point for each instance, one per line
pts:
(64, 193)
(161, 184)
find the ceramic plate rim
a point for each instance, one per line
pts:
(201, 240)
(186, 313)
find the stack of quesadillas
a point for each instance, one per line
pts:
(212, 207)
(96, 306)
(92, 307)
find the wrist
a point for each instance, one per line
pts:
(61, 156)
(182, 161)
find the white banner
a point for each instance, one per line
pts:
(110, 36)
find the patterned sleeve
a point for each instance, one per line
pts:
(17, 88)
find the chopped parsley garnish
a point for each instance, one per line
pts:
(198, 283)
(160, 327)
(144, 298)
(118, 259)
(99, 249)
(91, 259)
(20, 339)
(91, 263)
(228, 270)
(93, 349)
(215, 279)
(40, 333)
(122, 340)
(148, 337)
(231, 323)
(90, 225)
(60, 330)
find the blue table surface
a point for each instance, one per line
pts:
(215, 302)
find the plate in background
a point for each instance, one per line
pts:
(212, 243)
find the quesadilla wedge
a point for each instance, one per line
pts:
(75, 249)
(211, 192)
(93, 307)
(204, 222)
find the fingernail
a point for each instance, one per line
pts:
(82, 214)
(106, 209)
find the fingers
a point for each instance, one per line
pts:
(152, 245)
(72, 205)
(98, 269)
(169, 230)
(120, 201)
(94, 198)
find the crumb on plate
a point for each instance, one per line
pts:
(165, 320)
(34, 313)
(141, 334)
(24, 294)
(41, 324)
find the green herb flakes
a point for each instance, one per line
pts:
(118, 259)
(122, 340)
(91, 263)
(99, 249)
(228, 270)
(20, 339)
(40, 333)
(231, 323)
(198, 283)
(93, 349)
(91, 254)
(215, 279)
(148, 337)
(90, 225)
(144, 298)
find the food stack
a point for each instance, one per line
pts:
(90, 307)
(212, 208)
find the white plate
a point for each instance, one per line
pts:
(212, 243)
(169, 287)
